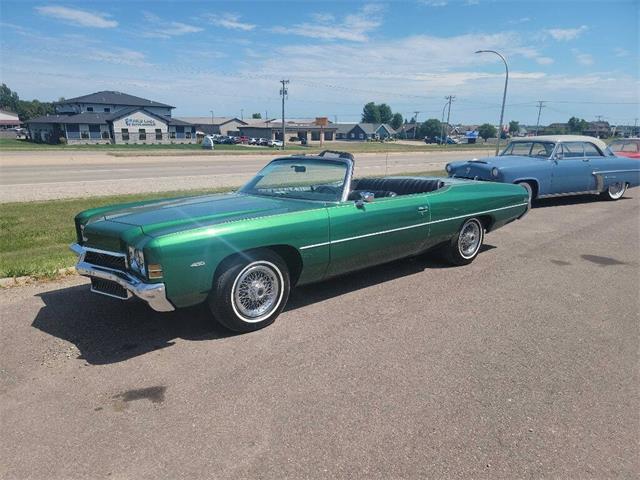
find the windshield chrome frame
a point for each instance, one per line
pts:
(346, 188)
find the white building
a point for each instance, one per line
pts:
(111, 117)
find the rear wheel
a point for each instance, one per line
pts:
(464, 247)
(615, 191)
(251, 292)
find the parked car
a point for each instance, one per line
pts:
(555, 165)
(629, 147)
(263, 142)
(242, 252)
(208, 142)
(227, 140)
(253, 141)
(275, 143)
(243, 139)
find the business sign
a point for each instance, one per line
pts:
(322, 121)
(139, 122)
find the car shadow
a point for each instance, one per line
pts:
(106, 330)
(569, 200)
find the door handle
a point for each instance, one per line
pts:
(423, 209)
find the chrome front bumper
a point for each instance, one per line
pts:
(152, 293)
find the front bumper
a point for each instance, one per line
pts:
(152, 293)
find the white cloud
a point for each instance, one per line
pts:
(621, 52)
(231, 21)
(519, 20)
(544, 60)
(565, 34)
(354, 27)
(159, 28)
(584, 59)
(434, 3)
(119, 56)
(78, 17)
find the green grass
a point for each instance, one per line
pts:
(34, 236)
(13, 145)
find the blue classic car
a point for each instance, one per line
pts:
(555, 165)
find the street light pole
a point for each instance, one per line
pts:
(504, 95)
(211, 121)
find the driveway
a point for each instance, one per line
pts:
(523, 364)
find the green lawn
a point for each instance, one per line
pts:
(9, 145)
(34, 236)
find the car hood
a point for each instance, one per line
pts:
(169, 216)
(500, 161)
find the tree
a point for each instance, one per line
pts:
(385, 113)
(24, 108)
(486, 130)
(8, 98)
(431, 128)
(396, 121)
(371, 113)
(577, 125)
(514, 127)
(256, 115)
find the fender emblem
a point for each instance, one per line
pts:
(468, 169)
(197, 264)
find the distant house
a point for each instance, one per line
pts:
(110, 117)
(342, 133)
(408, 130)
(554, 129)
(303, 128)
(598, 130)
(8, 120)
(370, 131)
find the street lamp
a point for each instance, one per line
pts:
(504, 95)
(211, 120)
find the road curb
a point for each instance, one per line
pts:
(10, 282)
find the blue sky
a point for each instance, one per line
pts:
(580, 56)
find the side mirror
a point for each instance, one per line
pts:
(365, 197)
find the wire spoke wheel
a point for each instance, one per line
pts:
(470, 239)
(256, 292)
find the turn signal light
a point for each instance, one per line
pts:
(154, 271)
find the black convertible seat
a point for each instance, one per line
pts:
(401, 186)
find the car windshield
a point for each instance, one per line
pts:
(300, 178)
(529, 149)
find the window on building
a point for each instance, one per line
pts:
(105, 135)
(172, 134)
(361, 136)
(84, 134)
(125, 134)
(158, 134)
(187, 134)
(89, 109)
(107, 109)
(142, 134)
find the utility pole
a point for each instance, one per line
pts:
(635, 127)
(415, 125)
(211, 120)
(450, 98)
(283, 93)
(242, 114)
(540, 107)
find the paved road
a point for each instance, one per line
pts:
(26, 176)
(521, 365)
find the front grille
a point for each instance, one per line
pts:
(107, 287)
(105, 260)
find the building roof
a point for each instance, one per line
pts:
(109, 97)
(344, 127)
(99, 118)
(210, 121)
(8, 113)
(372, 128)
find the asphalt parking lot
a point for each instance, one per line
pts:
(522, 365)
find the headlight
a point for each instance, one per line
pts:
(495, 172)
(448, 168)
(136, 259)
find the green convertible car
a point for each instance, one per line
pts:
(301, 219)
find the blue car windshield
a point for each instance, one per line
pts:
(301, 179)
(529, 149)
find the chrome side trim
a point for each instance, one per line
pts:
(152, 293)
(568, 194)
(383, 232)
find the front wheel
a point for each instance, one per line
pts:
(464, 247)
(251, 292)
(615, 191)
